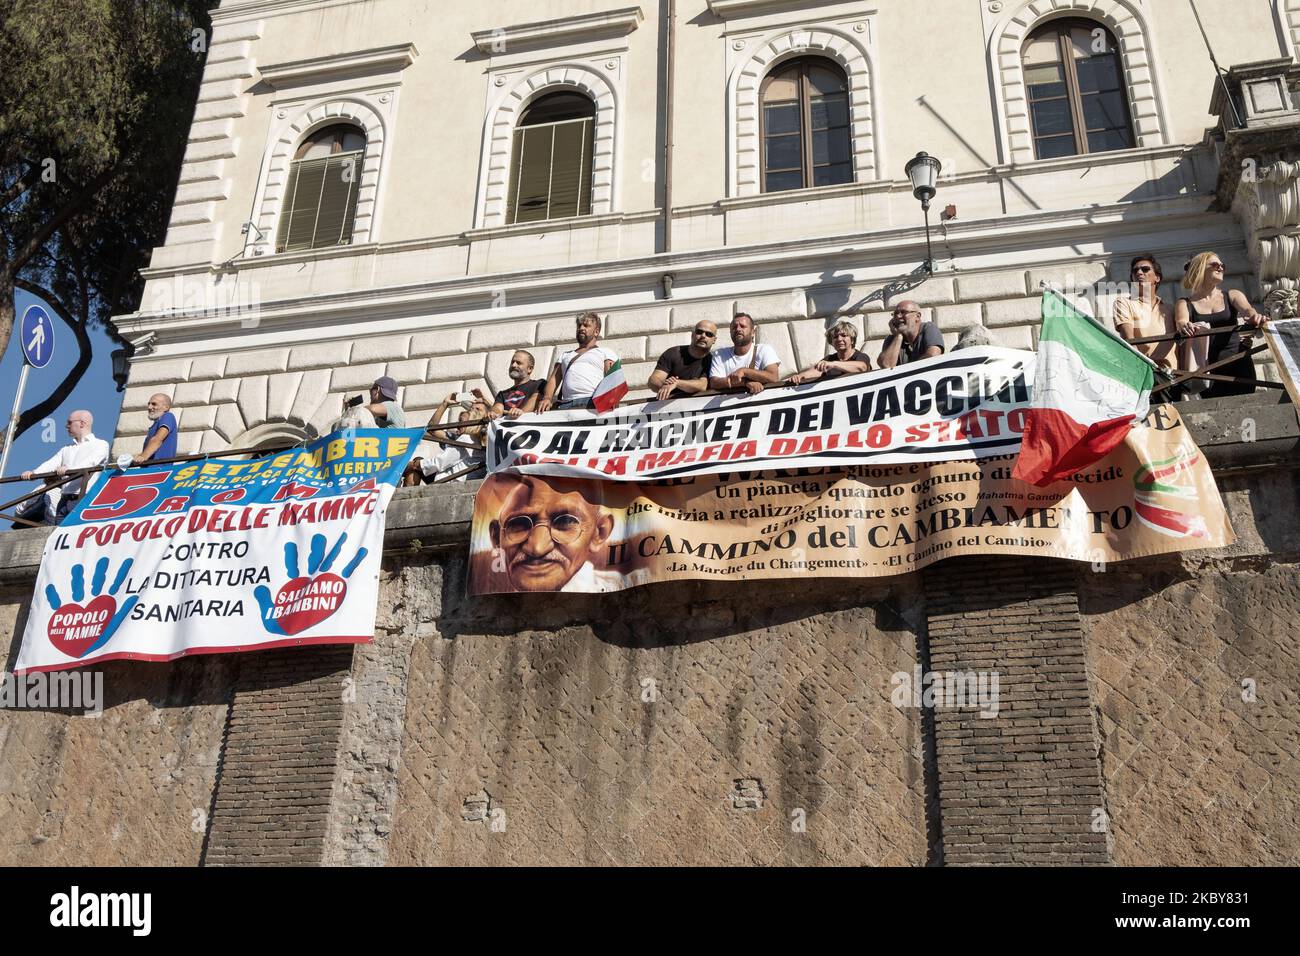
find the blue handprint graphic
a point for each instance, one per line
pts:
(306, 600)
(77, 629)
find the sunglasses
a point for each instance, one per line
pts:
(564, 528)
(1216, 265)
(712, 335)
(1143, 269)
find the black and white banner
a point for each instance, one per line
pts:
(966, 405)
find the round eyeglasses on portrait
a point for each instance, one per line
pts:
(564, 528)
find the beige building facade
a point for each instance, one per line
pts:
(437, 274)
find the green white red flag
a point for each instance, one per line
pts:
(1089, 388)
(611, 389)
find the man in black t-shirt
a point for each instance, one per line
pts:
(684, 369)
(521, 397)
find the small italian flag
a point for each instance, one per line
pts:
(1089, 388)
(611, 389)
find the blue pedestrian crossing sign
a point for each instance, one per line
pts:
(37, 333)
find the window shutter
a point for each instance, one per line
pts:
(569, 163)
(338, 203)
(550, 171)
(533, 182)
(320, 204)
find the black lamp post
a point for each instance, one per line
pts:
(923, 170)
(121, 365)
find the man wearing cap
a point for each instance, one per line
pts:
(383, 404)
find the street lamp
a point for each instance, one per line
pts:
(923, 170)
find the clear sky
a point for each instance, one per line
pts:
(95, 392)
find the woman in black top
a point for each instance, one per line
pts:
(844, 360)
(1218, 308)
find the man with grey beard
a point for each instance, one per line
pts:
(160, 442)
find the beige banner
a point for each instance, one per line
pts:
(1153, 494)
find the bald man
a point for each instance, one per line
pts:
(548, 538)
(86, 451)
(160, 443)
(910, 339)
(684, 369)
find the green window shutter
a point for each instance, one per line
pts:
(320, 203)
(550, 171)
(535, 145)
(338, 204)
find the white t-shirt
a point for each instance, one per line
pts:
(726, 361)
(583, 373)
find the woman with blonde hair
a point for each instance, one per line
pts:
(1222, 310)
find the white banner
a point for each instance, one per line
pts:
(219, 555)
(966, 405)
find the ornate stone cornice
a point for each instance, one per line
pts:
(566, 30)
(738, 9)
(383, 59)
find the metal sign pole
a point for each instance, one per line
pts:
(13, 418)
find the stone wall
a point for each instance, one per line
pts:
(1149, 714)
(130, 787)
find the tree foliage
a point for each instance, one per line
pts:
(96, 98)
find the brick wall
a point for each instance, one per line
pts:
(278, 760)
(1023, 786)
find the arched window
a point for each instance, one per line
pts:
(321, 194)
(805, 125)
(1075, 84)
(550, 166)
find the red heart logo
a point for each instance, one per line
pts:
(304, 602)
(73, 629)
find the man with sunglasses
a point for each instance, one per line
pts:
(1146, 314)
(684, 369)
(549, 536)
(910, 339)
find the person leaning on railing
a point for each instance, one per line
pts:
(578, 373)
(463, 448)
(85, 451)
(1146, 314)
(1219, 309)
(845, 359)
(684, 369)
(160, 442)
(748, 363)
(910, 339)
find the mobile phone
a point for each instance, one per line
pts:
(355, 400)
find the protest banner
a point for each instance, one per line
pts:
(1283, 337)
(1153, 494)
(970, 404)
(219, 555)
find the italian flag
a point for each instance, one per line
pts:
(1089, 388)
(611, 389)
